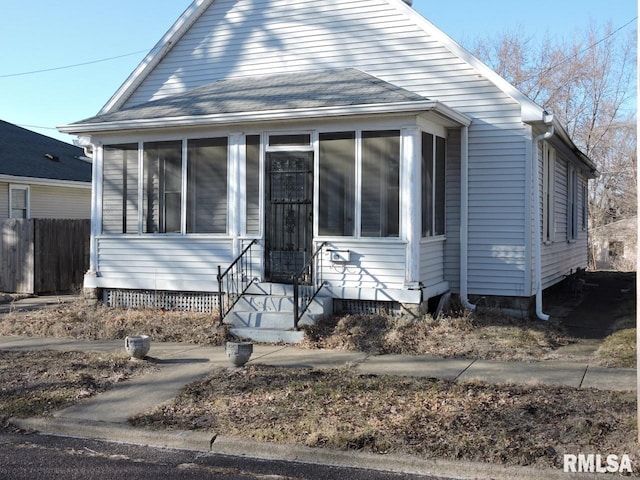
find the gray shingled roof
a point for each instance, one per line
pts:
(22, 154)
(291, 91)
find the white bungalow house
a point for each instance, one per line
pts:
(352, 137)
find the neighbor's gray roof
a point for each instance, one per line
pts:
(22, 154)
(300, 90)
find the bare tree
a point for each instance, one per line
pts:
(589, 84)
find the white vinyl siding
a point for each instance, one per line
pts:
(432, 262)
(372, 265)
(153, 263)
(452, 212)
(239, 38)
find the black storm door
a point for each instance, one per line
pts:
(289, 214)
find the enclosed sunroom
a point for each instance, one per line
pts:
(346, 181)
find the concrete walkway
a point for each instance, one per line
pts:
(105, 416)
(35, 303)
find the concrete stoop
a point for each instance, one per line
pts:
(265, 314)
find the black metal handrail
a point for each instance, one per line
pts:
(235, 281)
(306, 281)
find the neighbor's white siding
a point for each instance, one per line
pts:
(244, 37)
(51, 202)
(4, 200)
(60, 202)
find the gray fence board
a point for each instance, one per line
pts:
(43, 255)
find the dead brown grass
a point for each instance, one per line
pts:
(87, 321)
(39, 382)
(517, 425)
(489, 335)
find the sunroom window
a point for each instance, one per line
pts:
(252, 184)
(207, 186)
(162, 187)
(433, 185)
(120, 189)
(380, 196)
(337, 184)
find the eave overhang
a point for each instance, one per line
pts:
(234, 118)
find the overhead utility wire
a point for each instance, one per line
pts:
(72, 66)
(584, 50)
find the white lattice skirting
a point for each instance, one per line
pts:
(179, 301)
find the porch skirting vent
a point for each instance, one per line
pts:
(367, 307)
(199, 302)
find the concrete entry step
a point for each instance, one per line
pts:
(267, 308)
(268, 335)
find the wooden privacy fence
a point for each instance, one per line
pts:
(43, 255)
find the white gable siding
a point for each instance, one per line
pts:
(238, 38)
(242, 37)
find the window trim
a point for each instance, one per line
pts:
(548, 193)
(25, 188)
(572, 203)
(434, 190)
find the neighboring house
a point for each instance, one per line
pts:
(41, 177)
(614, 246)
(359, 124)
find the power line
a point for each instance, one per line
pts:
(72, 66)
(586, 49)
(35, 126)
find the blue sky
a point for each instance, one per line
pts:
(41, 34)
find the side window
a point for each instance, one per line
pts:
(572, 203)
(548, 193)
(162, 187)
(337, 184)
(18, 201)
(380, 184)
(120, 189)
(433, 185)
(207, 186)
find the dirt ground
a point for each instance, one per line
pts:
(595, 304)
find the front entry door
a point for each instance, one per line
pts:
(289, 214)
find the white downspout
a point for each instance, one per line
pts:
(464, 217)
(548, 120)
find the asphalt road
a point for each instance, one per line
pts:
(35, 457)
